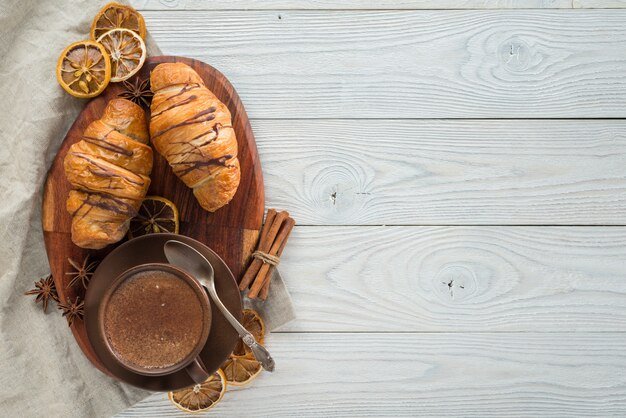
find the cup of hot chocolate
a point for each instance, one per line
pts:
(155, 319)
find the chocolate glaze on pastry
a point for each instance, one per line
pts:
(109, 171)
(193, 130)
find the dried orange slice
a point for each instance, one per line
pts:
(251, 320)
(156, 214)
(200, 397)
(126, 50)
(84, 69)
(241, 370)
(241, 367)
(115, 15)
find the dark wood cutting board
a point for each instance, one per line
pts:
(231, 231)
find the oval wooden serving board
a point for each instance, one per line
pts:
(231, 231)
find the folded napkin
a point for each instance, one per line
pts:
(43, 372)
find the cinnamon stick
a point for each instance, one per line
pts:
(265, 290)
(266, 286)
(268, 235)
(253, 268)
(276, 249)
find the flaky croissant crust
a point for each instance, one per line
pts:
(193, 130)
(109, 171)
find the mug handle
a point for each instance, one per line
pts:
(197, 371)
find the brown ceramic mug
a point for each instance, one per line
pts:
(154, 319)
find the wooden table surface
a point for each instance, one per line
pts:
(457, 169)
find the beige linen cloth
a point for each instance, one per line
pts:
(43, 372)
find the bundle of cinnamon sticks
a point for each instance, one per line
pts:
(272, 240)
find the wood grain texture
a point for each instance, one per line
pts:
(461, 279)
(144, 5)
(599, 4)
(392, 375)
(404, 64)
(536, 314)
(443, 172)
(227, 231)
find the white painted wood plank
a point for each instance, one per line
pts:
(599, 4)
(347, 4)
(481, 375)
(406, 64)
(456, 279)
(370, 5)
(443, 172)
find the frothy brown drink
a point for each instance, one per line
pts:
(153, 320)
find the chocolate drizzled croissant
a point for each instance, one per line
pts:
(108, 170)
(193, 130)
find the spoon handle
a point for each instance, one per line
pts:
(262, 355)
(260, 352)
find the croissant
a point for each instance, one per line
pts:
(109, 171)
(193, 130)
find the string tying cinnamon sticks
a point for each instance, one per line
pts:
(274, 235)
(266, 258)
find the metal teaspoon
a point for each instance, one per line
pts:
(188, 258)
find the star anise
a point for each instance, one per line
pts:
(137, 92)
(82, 272)
(72, 310)
(45, 289)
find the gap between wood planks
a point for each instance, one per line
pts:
(447, 332)
(370, 10)
(441, 119)
(476, 225)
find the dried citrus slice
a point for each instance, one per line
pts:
(241, 367)
(201, 397)
(252, 322)
(240, 370)
(115, 15)
(84, 69)
(156, 214)
(126, 50)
